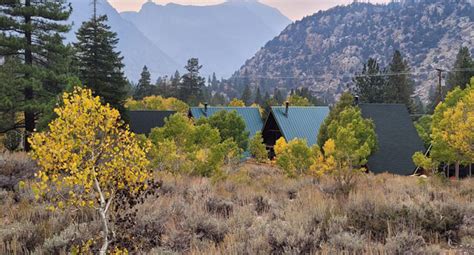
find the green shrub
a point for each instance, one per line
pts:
(296, 158)
(257, 148)
(12, 140)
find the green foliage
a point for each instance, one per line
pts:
(399, 82)
(158, 103)
(464, 66)
(423, 127)
(306, 93)
(425, 162)
(144, 86)
(441, 151)
(36, 60)
(246, 95)
(257, 148)
(354, 137)
(295, 158)
(180, 147)
(192, 83)
(345, 101)
(295, 100)
(230, 125)
(12, 140)
(236, 103)
(278, 97)
(370, 83)
(258, 97)
(393, 85)
(100, 66)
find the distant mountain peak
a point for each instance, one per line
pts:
(222, 35)
(325, 50)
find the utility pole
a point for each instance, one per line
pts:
(439, 90)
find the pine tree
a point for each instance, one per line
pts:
(399, 87)
(370, 83)
(214, 82)
(258, 97)
(266, 97)
(175, 85)
(192, 83)
(144, 87)
(100, 65)
(247, 95)
(36, 59)
(463, 70)
(278, 96)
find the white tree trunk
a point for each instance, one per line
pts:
(103, 208)
(105, 232)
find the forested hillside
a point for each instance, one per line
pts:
(325, 50)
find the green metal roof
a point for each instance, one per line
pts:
(397, 138)
(251, 116)
(301, 122)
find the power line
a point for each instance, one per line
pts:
(348, 75)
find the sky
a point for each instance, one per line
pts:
(293, 9)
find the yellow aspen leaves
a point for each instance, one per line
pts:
(280, 145)
(87, 145)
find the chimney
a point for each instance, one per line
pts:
(356, 100)
(287, 105)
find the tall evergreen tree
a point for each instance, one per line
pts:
(247, 95)
(463, 70)
(144, 87)
(214, 82)
(31, 42)
(218, 99)
(192, 83)
(266, 97)
(175, 85)
(399, 87)
(258, 97)
(370, 83)
(278, 96)
(100, 65)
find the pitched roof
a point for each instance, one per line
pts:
(301, 122)
(251, 116)
(141, 122)
(397, 138)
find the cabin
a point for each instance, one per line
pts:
(251, 115)
(142, 122)
(293, 122)
(397, 138)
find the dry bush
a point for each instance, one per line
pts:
(257, 210)
(15, 167)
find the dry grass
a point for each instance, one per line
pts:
(257, 210)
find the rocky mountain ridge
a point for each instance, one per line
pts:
(325, 50)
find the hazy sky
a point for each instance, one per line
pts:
(293, 9)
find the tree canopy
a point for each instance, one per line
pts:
(88, 156)
(345, 101)
(36, 61)
(157, 103)
(463, 70)
(144, 87)
(230, 125)
(100, 66)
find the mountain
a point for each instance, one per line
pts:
(222, 36)
(323, 51)
(136, 48)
